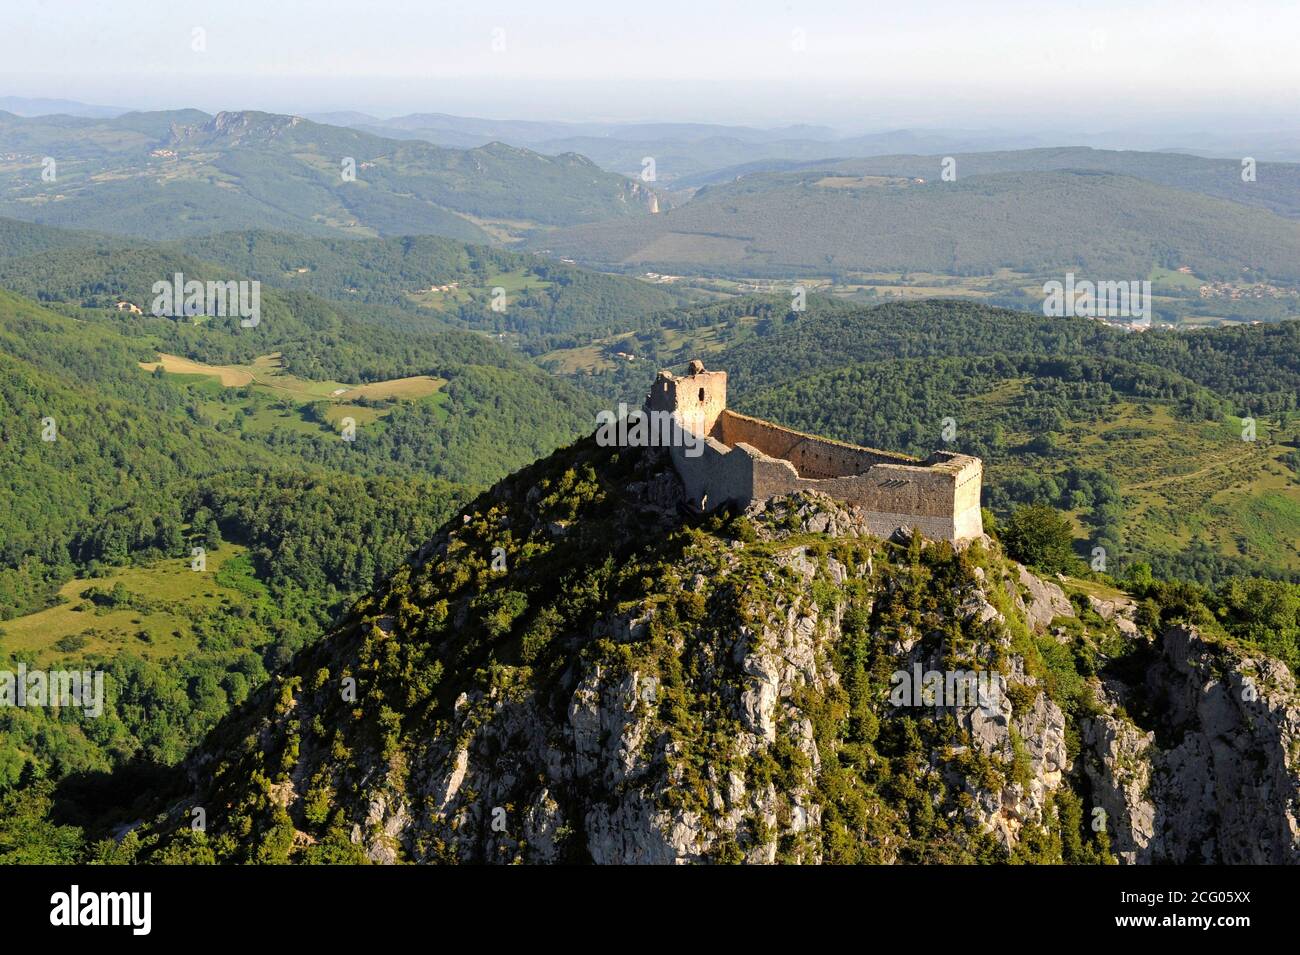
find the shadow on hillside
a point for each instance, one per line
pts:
(102, 803)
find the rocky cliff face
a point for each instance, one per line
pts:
(1216, 779)
(575, 670)
(234, 127)
(637, 194)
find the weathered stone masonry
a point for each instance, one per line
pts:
(747, 459)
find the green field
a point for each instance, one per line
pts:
(673, 346)
(274, 399)
(516, 282)
(1172, 279)
(167, 599)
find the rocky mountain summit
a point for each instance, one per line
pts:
(578, 669)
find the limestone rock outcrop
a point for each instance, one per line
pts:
(1217, 778)
(775, 685)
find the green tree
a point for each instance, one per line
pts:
(1040, 537)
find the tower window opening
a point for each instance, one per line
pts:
(701, 394)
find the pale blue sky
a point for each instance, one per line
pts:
(854, 63)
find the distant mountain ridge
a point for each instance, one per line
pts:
(526, 132)
(42, 106)
(1274, 186)
(828, 221)
(680, 150)
(185, 172)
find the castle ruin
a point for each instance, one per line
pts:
(747, 459)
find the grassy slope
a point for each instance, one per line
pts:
(167, 629)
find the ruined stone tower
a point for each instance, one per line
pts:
(743, 459)
(698, 399)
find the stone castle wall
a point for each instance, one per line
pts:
(747, 459)
(812, 457)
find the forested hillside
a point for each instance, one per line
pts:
(81, 434)
(416, 284)
(546, 304)
(112, 477)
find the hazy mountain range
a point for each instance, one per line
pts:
(186, 172)
(683, 152)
